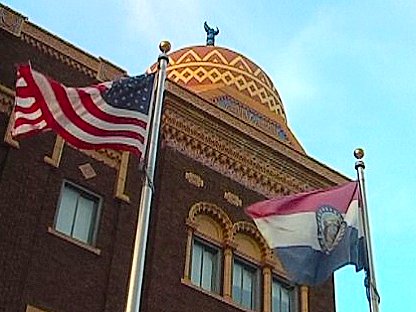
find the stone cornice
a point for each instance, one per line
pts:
(56, 47)
(201, 131)
(6, 99)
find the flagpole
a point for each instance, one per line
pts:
(372, 288)
(139, 252)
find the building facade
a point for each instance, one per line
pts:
(68, 216)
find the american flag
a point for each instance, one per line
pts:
(111, 115)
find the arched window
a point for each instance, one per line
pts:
(247, 261)
(207, 231)
(233, 261)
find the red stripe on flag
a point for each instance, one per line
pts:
(27, 110)
(22, 121)
(338, 197)
(67, 108)
(32, 90)
(93, 109)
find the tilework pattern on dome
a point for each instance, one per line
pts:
(250, 116)
(213, 65)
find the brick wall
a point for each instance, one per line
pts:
(42, 269)
(168, 235)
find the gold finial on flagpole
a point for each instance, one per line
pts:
(359, 153)
(164, 46)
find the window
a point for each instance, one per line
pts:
(77, 214)
(245, 285)
(30, 308)
(205, 269)
(282, 297)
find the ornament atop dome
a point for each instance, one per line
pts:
(211, 33)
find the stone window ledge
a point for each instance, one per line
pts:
(74, 241)
(216, 296)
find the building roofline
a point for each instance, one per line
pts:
(69, 54)
(284, 150)
(101, 69)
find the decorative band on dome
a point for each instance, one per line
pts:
(252, 117)
(209, 65)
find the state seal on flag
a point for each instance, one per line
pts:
(331, 227)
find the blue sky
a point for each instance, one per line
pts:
(346, 71)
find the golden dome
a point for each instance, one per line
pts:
(229, 79)
(212, 66)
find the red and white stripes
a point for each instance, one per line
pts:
(79, 115)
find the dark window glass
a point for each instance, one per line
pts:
(282, 297)
(245, 284)
(205, 267)
(77, 213)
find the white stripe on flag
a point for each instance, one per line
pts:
(25, 102)
(119, 112)
(82, 112)
(30, 116)
(21, 82)
(300, 229)
(69, 126)
(29, 127)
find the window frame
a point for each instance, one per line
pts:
(215, 280)
(86, 193)
(257, 293)
(286, 285)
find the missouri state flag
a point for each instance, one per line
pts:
(314, 233)
(113, 114)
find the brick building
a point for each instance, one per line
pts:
(67, 216)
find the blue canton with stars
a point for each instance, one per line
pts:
(132, 93)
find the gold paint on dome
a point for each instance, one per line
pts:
(203, 68)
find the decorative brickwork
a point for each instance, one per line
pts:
(230, 158)
(109, 157)
(6, 100)
(212, 210)
(251, 230)
(250, 116)
(87, 171)
(194, 179)
(57, 48)
(233, 199)
(107, 71)
(11, 21)
(209, 65)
